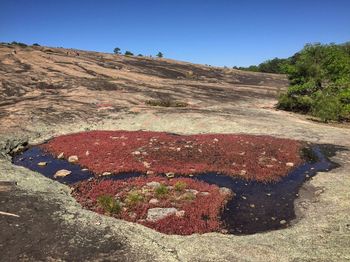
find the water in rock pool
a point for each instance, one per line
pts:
(256, 206)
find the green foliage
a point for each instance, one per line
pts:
(19, 44)
(128, 53)
(166, 103)
(134, 198)
(109, 204)
(301, 104)
(327, 107)
(160, 54)
(161, 191)
(320, 82)
(276, 65)
(36, 44)
(116, 50)
(180, 186)
(188, 196)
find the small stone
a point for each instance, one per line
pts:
(106, 173)
(216, 140)
(154, 214)
(282, 222)
(146, 164)
(243, 172)
(62, 173)
(170, 174)
(268, 194)
(154, 201)
(273, 218)
(225, 191)
(136, 153)
(73, 159)
(224, 231)
(193, 191)
(60, 156)
(244, 197)
(153, 184)
(87, 153)
(180, 213)
(42, 163)
(149, 172)
(204, 193)
(252, 205)
(290, 164)
(178, 149)
(85, 169)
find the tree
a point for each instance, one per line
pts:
(160, 54)
(116, 50)
(128, 53)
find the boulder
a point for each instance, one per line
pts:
(153, 184)
(155, 214)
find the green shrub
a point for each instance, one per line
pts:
(134, 198)
(180, 186)
(188, 196)
(161, 191)
(300, 104)
(327, 107)
(109, 204)
(128, 53)
(19, 44)
(166, 103)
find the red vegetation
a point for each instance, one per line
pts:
(201, 210)
(261, 158)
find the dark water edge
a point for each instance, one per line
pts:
(256, 206)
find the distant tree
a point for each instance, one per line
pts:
(36, 44)
(116, 50)
(140, 55)
(128, 53)
(160, 54)
(19, 44)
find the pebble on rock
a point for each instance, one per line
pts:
(60, 156)
(73, 159)
(282, 222)
(154, 201)
(42, 163)
(62, 173)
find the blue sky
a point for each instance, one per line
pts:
(208, 32)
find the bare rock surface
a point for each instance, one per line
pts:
(157, 213)
(45, 92)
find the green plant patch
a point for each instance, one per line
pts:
(166, 103)
(109, 204)
(161, 191)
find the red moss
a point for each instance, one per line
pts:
(261, 158)
(201, 214)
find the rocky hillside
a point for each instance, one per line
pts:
(66, 84)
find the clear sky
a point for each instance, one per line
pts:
(212, 32)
